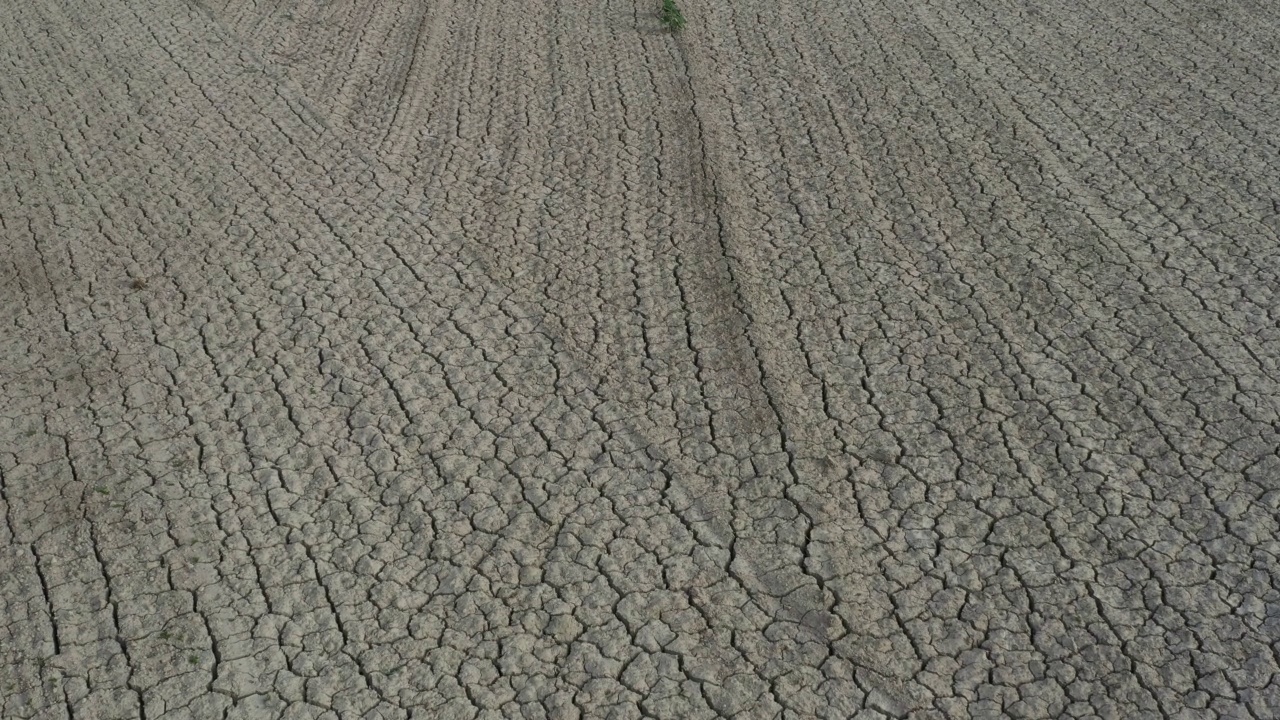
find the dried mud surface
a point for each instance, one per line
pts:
(430, 359)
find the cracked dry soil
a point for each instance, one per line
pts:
(497, 359)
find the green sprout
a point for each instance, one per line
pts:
(671, 16)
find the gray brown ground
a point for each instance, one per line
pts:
(519, 359)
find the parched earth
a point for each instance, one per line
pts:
(522, 359)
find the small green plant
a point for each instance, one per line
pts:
(194, 660)
(671, 16)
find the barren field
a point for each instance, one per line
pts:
(496, 359)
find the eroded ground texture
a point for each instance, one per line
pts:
(520, 359)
